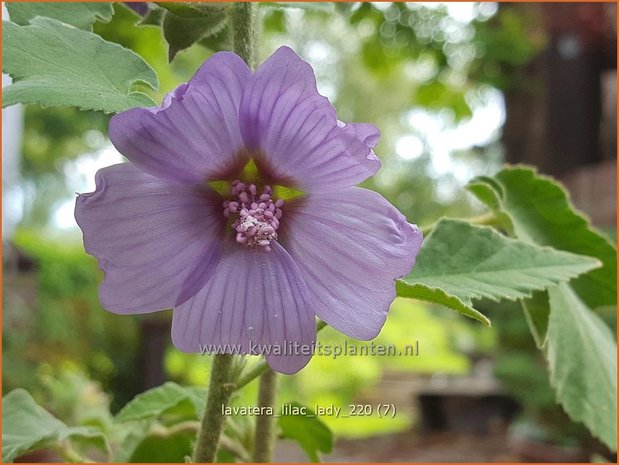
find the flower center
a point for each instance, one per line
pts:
(258, 215)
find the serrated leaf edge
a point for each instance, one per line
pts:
(470, 311)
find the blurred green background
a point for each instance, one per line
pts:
(456, 89)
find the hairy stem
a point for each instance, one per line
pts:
(220, 389)
(264, 441)
(243, 22)
(252, 374)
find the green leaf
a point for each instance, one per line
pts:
(156, 443)
(28, 426)
(128, 445)
(582, 358)
(55, 64)
(579, 347)
(25, 424)
(312, 434)
(218, 41)
(439, 296)
(155, 402)
(197, 396)
(154, 17)
(489, 192)
(85, 436)
(536, 311)
(165, 446)
(540, 212)
(184, 25)
(80, 15)
(476, 262)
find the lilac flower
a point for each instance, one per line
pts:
(247, 268)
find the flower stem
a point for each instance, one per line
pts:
(243, 22)
(220, 389)
(252, 374)
(264, 441)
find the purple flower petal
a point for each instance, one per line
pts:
(366, 132)
(165, 239)
(254, 298)
(194, 135)
(157, 242)
(294, 133)
(350, 247)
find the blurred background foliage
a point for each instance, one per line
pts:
(431, 76)
(409, 62)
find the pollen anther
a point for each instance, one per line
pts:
(258, 215)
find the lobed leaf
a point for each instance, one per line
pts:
(489, 192)
(55, 64)
(27, 426)
(582, 359)
(540, 212)
(579, 347)
(185, 24)
(459, 262)
(77, 14)
(156, 401)
(181, 32)
(439, 296)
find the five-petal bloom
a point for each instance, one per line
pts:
(246, 269)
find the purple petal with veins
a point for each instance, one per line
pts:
(241, 266)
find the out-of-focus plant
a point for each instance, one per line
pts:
(522, 370)
(65, 320)
(436, 60)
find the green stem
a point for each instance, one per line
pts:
(220, 390)
(243, 21)
(264, 442)
(252, 374)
